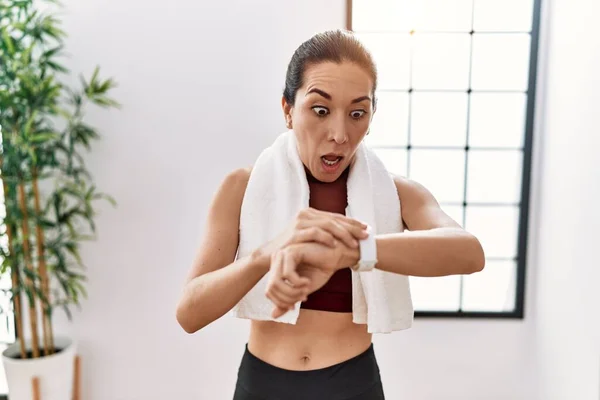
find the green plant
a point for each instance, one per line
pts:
(49, 195)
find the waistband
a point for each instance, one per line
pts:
(342, 380)
(250, 358)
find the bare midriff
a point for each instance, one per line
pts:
(319, 339)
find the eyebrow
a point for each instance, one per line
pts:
(328, 96)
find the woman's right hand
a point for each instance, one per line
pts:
(312, 225)
(300, 269)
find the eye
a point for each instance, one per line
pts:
(320, 111)
(357, 114)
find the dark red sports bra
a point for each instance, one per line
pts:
(336, 294)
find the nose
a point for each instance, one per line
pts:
(338, 132)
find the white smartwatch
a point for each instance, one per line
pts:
(368, 253)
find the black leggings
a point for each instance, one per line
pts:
(355, 379)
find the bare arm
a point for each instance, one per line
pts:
(216, 282)
(434, 246)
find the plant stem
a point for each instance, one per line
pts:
(28, 281)
(46, 326)
(14, 271)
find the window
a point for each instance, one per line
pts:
(455, 113)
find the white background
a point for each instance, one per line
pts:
(201, 85)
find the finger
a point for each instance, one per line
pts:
(288, 295)
(308, 217)
(340, 226)
(284, 301)
(318, 214)
(311, 214)
(352, 221)
(292, 293)
(288, 270)
(278, 312)
(340, 232)
(314, 234)
(358, 232)
(276, 299)
(286, 285)
(278, 303)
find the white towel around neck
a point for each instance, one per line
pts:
(278, 189)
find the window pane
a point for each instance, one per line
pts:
(390, 123)
(435, 294)
(394, 160)
(497, 119)
(391, 53)
(441, 61)
(494, 176)
(454, 212)
(500, 62)
(382, 15)
(495, 227)
(503, 15)
(443, 15)
(442, 172)
(492, 289)
(439, 119)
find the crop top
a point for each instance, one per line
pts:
(336, 294)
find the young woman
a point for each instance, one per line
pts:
(328, 102)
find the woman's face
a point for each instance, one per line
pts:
(331, 116)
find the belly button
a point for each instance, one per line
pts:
(306, 359)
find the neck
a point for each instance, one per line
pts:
(311, 179)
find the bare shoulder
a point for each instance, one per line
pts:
(236, 181)
(221, 234)
(420, 209)
(412, 192)
(226, 203)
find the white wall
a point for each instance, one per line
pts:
(201, 85)
(568, 320)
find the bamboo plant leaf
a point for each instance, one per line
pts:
(59, 214)
(43, 137)
(7, 41)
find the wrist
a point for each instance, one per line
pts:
(352, 257)
(260, 260)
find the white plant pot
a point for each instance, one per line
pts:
(55, 372)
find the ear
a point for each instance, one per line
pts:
(287, 112)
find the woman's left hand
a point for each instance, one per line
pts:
(312, 264)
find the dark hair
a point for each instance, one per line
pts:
(335, 46)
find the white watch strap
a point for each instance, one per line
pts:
(368, 252)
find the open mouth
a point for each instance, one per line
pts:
(331, 160)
